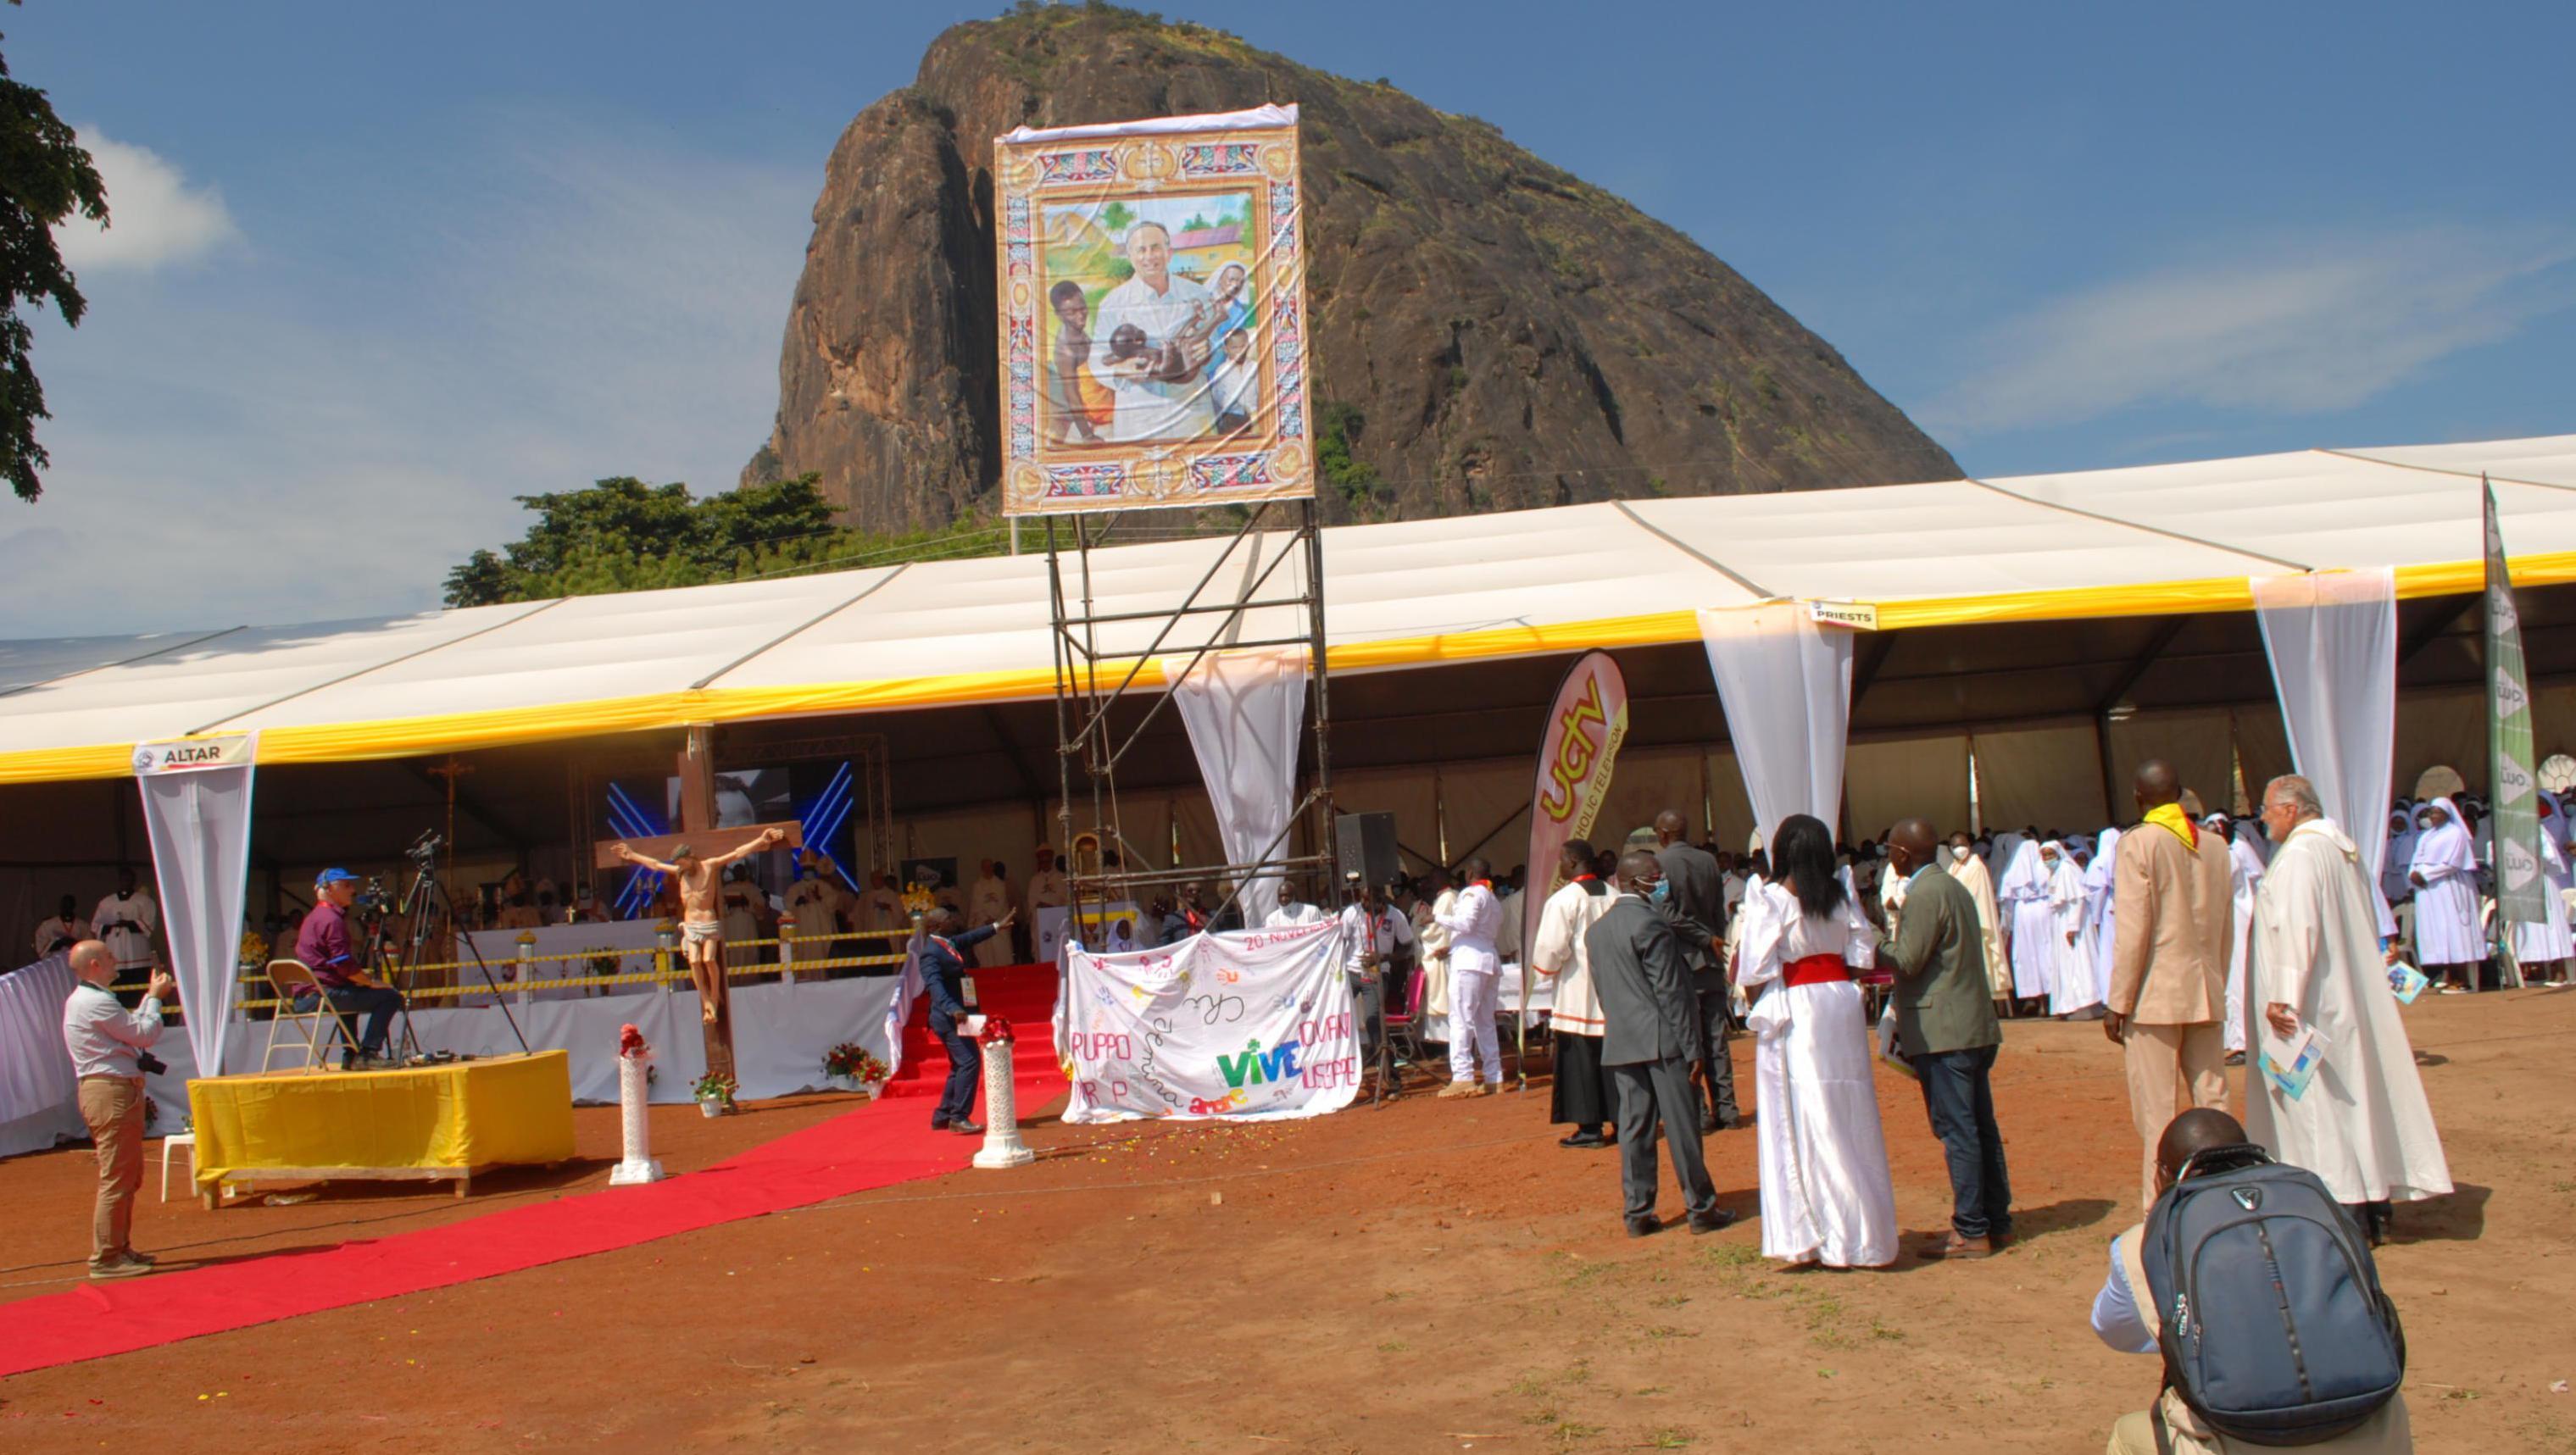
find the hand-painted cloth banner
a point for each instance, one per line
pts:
(1249, 1026)
(2520, 885)
(1153, 314)
(1584, 730)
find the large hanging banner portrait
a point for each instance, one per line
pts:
(1245, 1026)
(1153, 314)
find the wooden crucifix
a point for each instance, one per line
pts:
(702, 915)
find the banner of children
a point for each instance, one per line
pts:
(1153, 330)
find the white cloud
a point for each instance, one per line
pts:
(154, 217)
(2293, 328)
(323, 430)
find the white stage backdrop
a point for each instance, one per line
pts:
(2332, 639)
(1252, 1025)
(1244, 710)
(629, 943)
(39, 1098)
(196, 803)
(1786, 684)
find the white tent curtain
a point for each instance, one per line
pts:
(199, 820)
(2332, 640)
(1786, 684)
(1244, 711)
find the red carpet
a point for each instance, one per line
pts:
(873, 1146)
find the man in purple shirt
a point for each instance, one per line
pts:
(324, 945)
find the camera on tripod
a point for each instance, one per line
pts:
(426, 846)
(371, 896)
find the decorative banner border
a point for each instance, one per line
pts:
(1245, 156)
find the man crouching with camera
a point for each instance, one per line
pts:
(107, 1045)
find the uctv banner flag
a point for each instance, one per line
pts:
(1250, 1025)
(2519, 882)
(196, 803)
(1584, 730)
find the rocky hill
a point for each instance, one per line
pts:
(1490, 332)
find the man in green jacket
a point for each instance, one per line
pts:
(1946, 1028)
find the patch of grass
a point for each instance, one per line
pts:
(1529, 1386)
(1569, 1431)
(1879, 1330)
(1398, 1346)
(1669, 1440)
(2462, 1394)
(1672, 1300)
(1668, 1331)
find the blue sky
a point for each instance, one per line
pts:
(378, 269)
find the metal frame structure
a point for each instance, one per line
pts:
(1092, 681)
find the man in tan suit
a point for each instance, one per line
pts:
(2170, 894)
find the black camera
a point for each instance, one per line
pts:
(149, 1064)
(371, 895)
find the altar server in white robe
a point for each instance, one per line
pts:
(2071, 987)
(1586, 1097)
(1970, 870)
(2023, 898)
(1826, 1193)
(2400, 855)
(2543, 950)
(2448, 942)
(2363, 1125)
(2101, 917)
(2244, 875)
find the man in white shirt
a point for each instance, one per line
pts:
(1377, 931)
(130, 923)
(1152, 374)
(1474, 971)
(1292, 910)
(104, 1040)
(63, 931)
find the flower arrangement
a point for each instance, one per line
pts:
(714, 1086)
(854, 1062)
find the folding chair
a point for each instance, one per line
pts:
(288, 979)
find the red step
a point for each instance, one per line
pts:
(1024, 995)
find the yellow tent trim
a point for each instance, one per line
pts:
(455, 732)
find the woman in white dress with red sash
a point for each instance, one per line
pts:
(1826, 1193)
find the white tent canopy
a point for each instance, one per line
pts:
(2155, 539)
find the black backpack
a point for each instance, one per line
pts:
(2272, 1323)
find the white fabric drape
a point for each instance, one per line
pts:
(1786, 685)
(200, 826)
(35, 1069)
(1244, 711)
(2332, 640)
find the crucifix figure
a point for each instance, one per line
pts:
(695, 856)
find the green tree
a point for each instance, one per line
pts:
(45, 177)
(624, 535)
(1115, 217)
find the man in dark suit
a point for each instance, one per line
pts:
(943, 975)
(1642, 975)
(1946, 1028)
(1695, 901)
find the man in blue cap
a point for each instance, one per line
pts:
(325, 947)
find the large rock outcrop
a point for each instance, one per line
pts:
(1490, 332)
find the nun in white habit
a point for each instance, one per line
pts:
(2022, 898)
(2444, 871)
(2071, 988)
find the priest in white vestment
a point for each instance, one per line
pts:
(1970, 870)
(2244, 874)
(1826, 1193)
(987, 902)
(2363, 1125)
(2023, 897)
(2072, 987)
(2448, 941)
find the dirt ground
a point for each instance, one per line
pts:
(1435, 1276)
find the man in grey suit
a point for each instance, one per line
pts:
(1642, 975)
(1695, 901)
(1946, 1028)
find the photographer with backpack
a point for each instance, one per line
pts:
(2258, 1290)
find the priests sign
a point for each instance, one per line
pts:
(1153, 314)
(1244, 1026)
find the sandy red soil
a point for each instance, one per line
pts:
(1434, 1276)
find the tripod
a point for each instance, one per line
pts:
(424, 897)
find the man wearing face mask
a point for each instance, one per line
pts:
(1690, 896)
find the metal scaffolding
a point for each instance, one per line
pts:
(1093, 678)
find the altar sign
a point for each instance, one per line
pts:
(1246, 1025)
